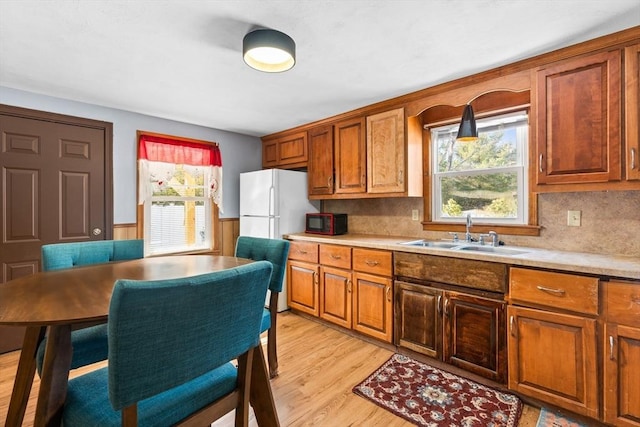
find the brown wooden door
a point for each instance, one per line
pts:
(335, 296)
(302, 279)
(321, 181)
(553, 358)
(372, 306)
(350, 157)
(386, 159)
(622, 375)
(55, 183)
(475, 335)
(418, 322)
(578, 120)
(632, 110)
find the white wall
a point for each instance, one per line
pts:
(240, 153)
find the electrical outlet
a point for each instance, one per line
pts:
(415, 214)
(573, 218)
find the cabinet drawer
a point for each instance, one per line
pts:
(303, 251)
(555, 290)
(336, 256)
(623, 303)
(372, 261)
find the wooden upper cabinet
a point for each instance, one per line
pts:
(386, 154)
(287, 152)
(320, 166)
(632, 111)
(578, 122)
(350, 156)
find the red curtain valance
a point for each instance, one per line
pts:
(159, 149)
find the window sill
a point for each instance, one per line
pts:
(514, 230)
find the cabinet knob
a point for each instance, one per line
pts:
(512, 329)
(633, 158)
(611, 341)
(371, 263)
(439, 304)
(540, 167)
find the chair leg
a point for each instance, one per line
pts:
(245, 365)
(272, 353)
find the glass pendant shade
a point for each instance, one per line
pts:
(467, 131)
(269, 50)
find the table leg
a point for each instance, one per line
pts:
(54, 378)
(261, 397)
(24, 376)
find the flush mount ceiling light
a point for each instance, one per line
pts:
(269, 50)
(467, 132)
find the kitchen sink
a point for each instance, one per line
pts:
(492, 249)
(462, 246)
(431, 244)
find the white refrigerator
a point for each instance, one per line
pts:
(273, 202)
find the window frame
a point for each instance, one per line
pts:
(530, 229)
(520, 170)
(142, 219)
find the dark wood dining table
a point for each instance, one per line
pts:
(61, 299)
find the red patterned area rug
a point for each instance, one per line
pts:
(427, 396)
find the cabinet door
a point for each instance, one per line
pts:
(335, 296)
(302, 282)
(552, 357)
(350, 157)
(270, 153)
(372, 306)
(320, 166)
(578, 120)
(418, 318)
(386, 153)
(632, 110)
(622, 375)
(293, 150)
(475, 335)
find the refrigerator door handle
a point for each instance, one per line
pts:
(272, 194)
(272, 227)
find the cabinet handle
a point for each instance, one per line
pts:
(401, 177)
(371, 263)
(540, 168)
(334, 256)
(551, 290)
(446, 307)
(303, 252)
(610, 347)
(315, 278)
(635, 300)
(439, 304)
(329, 180)
(512, 329)
(349, 286)
(633, 158)
(388, 293)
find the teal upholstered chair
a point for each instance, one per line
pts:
(170, 344)
(275, 251)
(89, 344)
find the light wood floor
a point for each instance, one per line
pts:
(319, 366)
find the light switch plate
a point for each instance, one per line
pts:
(573, 218)
(415, 215)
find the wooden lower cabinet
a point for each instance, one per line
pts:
(372, 305)
(621, 354)
(622, 375)
(463, 330)
(336, 296)
(303, 291)
(475, 335)
(553, 358)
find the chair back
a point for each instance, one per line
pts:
(275, 251)
(57, 256)
(164, 333)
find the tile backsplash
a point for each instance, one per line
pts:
(610, 221)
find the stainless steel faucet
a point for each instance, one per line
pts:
(467, 234)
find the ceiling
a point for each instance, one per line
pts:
(182, 59)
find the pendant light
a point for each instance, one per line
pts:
(467, 132)
(269, 50)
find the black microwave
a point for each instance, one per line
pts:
(326, 223)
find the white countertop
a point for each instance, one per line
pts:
(617, 266)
